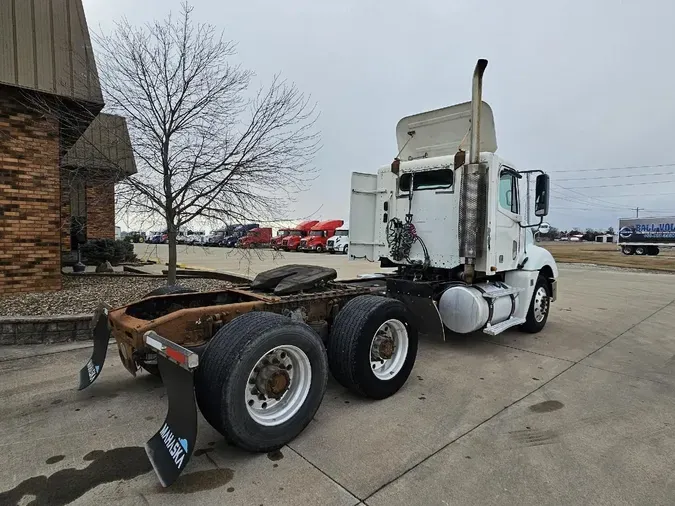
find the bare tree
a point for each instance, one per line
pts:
(205, 144)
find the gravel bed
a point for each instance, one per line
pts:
(81, 295)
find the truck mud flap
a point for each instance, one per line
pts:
(427, 317)
(101, 336)
(170, 449)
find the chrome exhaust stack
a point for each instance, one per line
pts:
(472, 197)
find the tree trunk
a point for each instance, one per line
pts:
(173, 257)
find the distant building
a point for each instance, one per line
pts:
(59, 157)
(604, 238)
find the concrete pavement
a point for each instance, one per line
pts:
(250, 262)
(581, 413)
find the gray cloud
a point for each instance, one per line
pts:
(573, 85)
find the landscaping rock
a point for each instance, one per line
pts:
(82, 294)
(105, 267)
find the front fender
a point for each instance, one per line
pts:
(538, 258)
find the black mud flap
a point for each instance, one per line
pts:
(101, 336)
(169, 450)
(426, 313)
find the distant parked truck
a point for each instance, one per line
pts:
(292, 242)
(340, 241)
(195, 237)
(256, 238)
(231, 240)
(276, 241)
(318, 236)
(217, 236)
(646, 236)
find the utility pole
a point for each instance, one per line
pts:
(637, 212)
(527, 186)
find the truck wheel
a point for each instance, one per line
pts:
(372, 346)
(640, 250)
(319, 249)
(652, 250)
(261, 379)
(627, 250)
(345, 250)
(540, 306)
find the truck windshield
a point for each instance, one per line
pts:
(296, 233)
(283, 233)
(316, 233)
(342, 233)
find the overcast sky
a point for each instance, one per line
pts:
(573, 85)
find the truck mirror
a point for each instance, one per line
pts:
(541, 195)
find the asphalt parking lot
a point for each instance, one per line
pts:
(582, 413)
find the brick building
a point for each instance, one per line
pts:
(59, 155)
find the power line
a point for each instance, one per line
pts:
(622, 176)
(613, 204)
(616, 168)
(617, 195)
(622, 184)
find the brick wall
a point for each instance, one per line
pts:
(65, 215)
(30, 199)
(100, 210)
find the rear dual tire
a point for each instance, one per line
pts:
(246, 355)
(372, 346)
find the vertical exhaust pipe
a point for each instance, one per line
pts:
(476, 102)
(473, 188)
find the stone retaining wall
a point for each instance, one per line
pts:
(45, 329)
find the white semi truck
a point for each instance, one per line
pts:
(256, 357)
(339, 243)
(453, 224)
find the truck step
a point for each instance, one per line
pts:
(493, 330)
(503, 292)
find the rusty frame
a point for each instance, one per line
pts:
(193, 327)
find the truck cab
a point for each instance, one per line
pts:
(240, 231)
(339, 243)
(276, 241)
(455, 219)
(318, 236)
(256, 238)
(295, 235)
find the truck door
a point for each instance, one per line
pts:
(508, 220)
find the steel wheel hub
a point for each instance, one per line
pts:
(540, 304)
(278, 385)
(389, 349)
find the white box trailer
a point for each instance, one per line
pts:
(646, 236)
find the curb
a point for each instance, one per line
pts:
(45, 329)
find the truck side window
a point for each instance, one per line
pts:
(508, 192)
(427, 180)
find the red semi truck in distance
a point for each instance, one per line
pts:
(256, 238)
(318, 236)
(275, 242)
(292, 241)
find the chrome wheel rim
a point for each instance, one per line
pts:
(540, 304)
(278, 385)
(389, 349)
